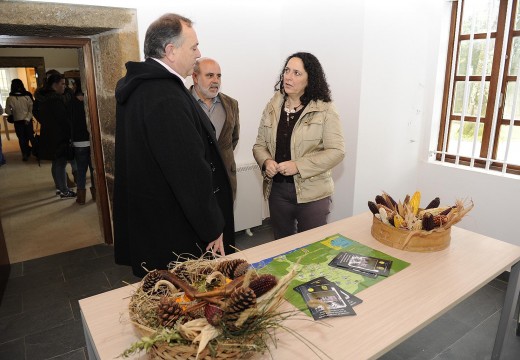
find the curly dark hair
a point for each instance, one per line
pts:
(317, 87)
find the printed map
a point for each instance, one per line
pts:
(312, 261)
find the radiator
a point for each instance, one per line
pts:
(249, 201)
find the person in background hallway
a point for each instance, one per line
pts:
(55, 131)
(2, 157)
(172, 194)
(68, 94)
(81, 142)
(221, 109)
(299, 141)
(19, 103)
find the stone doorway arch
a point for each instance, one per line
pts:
(106, 38)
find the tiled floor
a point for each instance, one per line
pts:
(39, 316)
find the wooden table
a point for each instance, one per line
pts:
(392, 310)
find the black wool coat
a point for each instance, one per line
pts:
(55, 125)
(172, 194)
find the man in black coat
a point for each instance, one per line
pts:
(172, 194)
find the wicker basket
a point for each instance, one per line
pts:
(417, 241)
(224, 351)
(191, 333)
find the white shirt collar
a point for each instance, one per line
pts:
(170, 70)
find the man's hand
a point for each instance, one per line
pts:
(217, 246)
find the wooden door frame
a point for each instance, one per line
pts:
(85, 45)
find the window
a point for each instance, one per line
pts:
(480, 124)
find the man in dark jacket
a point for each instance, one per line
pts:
(172, 195)
(221, 109)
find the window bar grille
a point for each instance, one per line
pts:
(451, 87)
(498, 99)
(465, 95)
(492, 4)
(512, 118)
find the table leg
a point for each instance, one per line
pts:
(508, 311)
(92, 354)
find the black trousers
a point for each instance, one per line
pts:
(288, 217)
(25, 133)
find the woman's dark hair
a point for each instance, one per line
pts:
(17, 87)
(53, 79)
(317, 87)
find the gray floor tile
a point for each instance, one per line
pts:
(11, 305)
(478, 307)
(476, 344)
(119, 276)
(260, 236)
(103, 250)
(72, 271)
(34, 282)
(61, 340)
(29, 322)
(432, 340)
(13, 350)
(498, 284)
(58, 260)
(16, 270)
(87, 285)
(47, 297)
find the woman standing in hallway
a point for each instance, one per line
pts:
(20, 104)
(299, 141)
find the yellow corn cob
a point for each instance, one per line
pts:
(398, 220)
(415, 201)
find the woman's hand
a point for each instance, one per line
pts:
(217, 246)
(271, 167)
(287, 168)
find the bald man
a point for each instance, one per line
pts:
(221, 109)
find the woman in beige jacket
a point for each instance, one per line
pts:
(299, 141)
(20, 104)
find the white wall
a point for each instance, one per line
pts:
(59, 59)
(384, 62)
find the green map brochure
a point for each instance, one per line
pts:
(312, 261)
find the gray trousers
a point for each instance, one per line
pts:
(288, 217)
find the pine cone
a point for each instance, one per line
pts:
(168, 311)
(263, 284)
(228, 267)
(240, 269)
(240, 300)
(201, 273)
(150, 280)
(181, 271)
